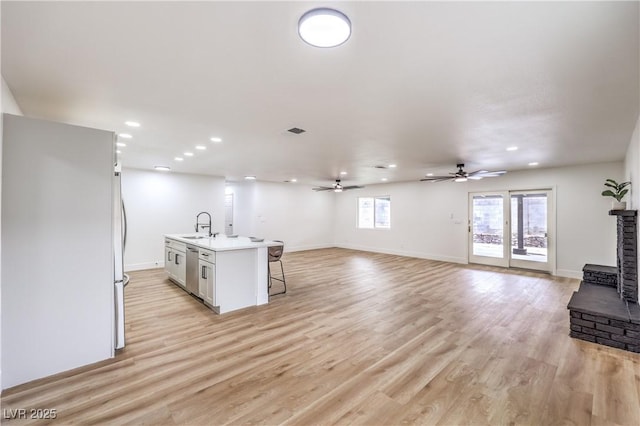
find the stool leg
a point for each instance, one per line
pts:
(284, 281)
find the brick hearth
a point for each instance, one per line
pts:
(605, 308)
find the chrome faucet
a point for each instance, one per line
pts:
(203, 226)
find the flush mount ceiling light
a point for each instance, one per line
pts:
(216, 140)
(201, 147)
(250, 177)
(124, 135)
(162, 168)
(132, 123)
(324, 27)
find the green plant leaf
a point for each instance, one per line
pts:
(611, 185)
(608, 193)
(621, 194)
(623, 185)
(612, 181)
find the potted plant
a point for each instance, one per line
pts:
(617, 191)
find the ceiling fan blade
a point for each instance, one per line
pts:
(493, 174)
(478, 172)
(323, 188)
(438, 178)
(475, 177)
(344, 188)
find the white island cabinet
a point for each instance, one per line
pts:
(232, 272)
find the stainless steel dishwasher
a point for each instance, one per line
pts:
(192, 277)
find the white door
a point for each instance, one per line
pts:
(228, 214)
(488, 227)
(512, 229)
(531, 225)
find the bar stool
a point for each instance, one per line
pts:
(275, 255)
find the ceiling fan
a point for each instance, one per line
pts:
(337, 187)
(462, 176)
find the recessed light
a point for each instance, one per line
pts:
(535, 163)
(384, 179)
(250, 177)
(294, 180)
(188, 154)
(512, 148)
(392, 166)
(429, 174)
(324, 27)
(216, 139)
(201, 147)
(118, 151)
(124, 135)
(162, 168)
(179, 159)
(132, 123)
(121, 144)
(343, 173)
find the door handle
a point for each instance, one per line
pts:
(177, 255)
(204, 272)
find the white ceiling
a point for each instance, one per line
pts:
(421, 85)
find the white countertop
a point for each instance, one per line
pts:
(221, 242)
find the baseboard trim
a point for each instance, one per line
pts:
(568, 273)
(418, 255)
(304, 248)
(142, 266)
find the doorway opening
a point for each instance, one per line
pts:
(512, 229)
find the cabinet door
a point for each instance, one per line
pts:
(207, 279)
(168, 261)
(202, 279)
(180, 266)
(211, 285)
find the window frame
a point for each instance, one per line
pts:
(373, 198)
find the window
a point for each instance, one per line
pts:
(374, 212)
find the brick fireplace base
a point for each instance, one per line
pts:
(597, 314)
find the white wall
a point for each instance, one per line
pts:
(9, 105)
(429, 220)
(293, 213)
(632, 172)
(632, 168)
(57, 258)
(159, 203)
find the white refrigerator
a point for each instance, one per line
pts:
(62, 281)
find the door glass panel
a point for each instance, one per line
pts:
(529, 227)
(488, 226)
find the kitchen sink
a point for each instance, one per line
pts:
(194, 237)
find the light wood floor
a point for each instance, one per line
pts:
(359, 338)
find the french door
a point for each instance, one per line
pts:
(512, 229)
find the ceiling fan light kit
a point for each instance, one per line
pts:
(462, 176)
(337, 187)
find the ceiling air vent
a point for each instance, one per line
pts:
(296, 130)
(379, 167)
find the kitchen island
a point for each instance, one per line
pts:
(226, 273)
